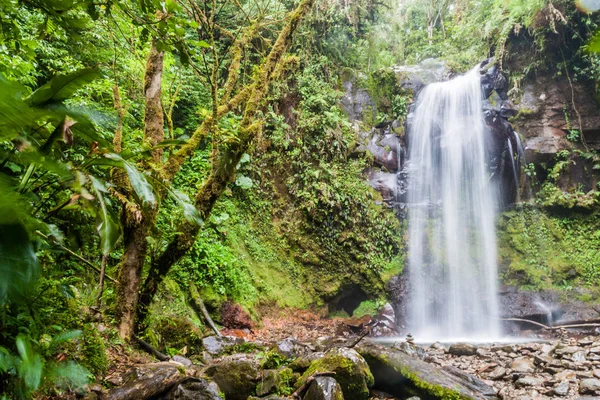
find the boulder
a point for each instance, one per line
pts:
(351, 372)
(275, 381)
(324, 388)
(402, 375)
(233, 316)
(193, 389)
(215, 345)
(463, 349)
(415, 77)
(147, 381)
(236, 375)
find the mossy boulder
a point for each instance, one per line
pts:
(324, 388)
(177, 332)
(236, 375)
(278, 381)
(351, 372)
(402, 375)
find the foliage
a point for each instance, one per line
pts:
(544, 250)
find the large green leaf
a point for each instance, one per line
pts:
(31, 366)
(138, 180)
(108, 229)
(15, 114)
(62, 87)
(190, 212)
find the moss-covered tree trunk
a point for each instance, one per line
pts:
(137, 224)
(224, 162)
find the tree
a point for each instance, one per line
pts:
(229, 96)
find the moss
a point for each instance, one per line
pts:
(176, 332)
(543, 250)
(93, 351)
(354, 376)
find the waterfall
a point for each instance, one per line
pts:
(451, 216)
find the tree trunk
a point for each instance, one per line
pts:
(134, 237)
(223, 166)
(136, 223)
(154, 120)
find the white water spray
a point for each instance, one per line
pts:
(452, 240)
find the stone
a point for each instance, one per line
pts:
(289, 347)
(562, 389)
(236, 375)
(186, 362)
(351, 372)
(214, 345)
(233, 316)
(193, 389)
(462, 349)
(497, 373)
(274, 381)
(146, 381)
(438, 346)
(578, 356)
(566, 374)
(395, 371)
(542, 359)
(302, 363)
(324, 388)
(529, 381)
(567, 350)
(589, 386)
(596, 373)
(523, 364)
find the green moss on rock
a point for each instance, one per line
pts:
(351, 372)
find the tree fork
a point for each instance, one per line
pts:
(224, 165)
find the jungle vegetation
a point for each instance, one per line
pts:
(147, 147)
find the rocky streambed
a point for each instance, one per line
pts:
(342, 367)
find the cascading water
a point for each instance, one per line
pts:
(451, 213)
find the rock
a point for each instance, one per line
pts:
(415, 77)
(596, 373)
(385, 322)
(438, 346)
(497, 373)
(186, 362)
(523, 364)
(274, 381)
(193, 389)
(542, 359)
(236, 375)
(214, 345)
(147, 381)
(578, 356)
(233, 316)
(324, 388)
(462, 349)
(402, 375)
(529, 381)
(562, 389)
(302, 363)
(288, 347)
(410, 349)
(589, 386)
(351, 372)
(561, 351)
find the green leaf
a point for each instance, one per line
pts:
(68, 374)
(62, 87)
(108, 229)
(243, 182)
(137, 180)
(65, 337)
(190, 212)
(32, 364)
